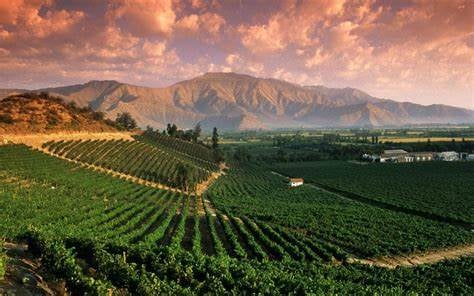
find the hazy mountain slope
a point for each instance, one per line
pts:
(235, 101)
(11, 91)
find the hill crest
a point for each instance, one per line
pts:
(41, 113)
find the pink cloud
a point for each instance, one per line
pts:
(421, 50)
(205, 23)
(28, 20)
(144, 17)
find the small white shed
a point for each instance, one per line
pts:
(294, 182)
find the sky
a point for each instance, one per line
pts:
(408, 50)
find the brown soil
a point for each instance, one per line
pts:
(429, 257)
(38, 139)
(24, 274)
(202, 187)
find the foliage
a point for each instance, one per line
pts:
(242, 154)
(106, 235)
(438, 188)
(3, 261)
(6, 118)
(215, 139)
(149, 161)
(172, 130)
(152, 272)
(125, 121)
(327, 219)
(177, 146)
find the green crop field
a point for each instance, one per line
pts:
(134, 158)
(247, 234)
(442, 189)
(327, 218)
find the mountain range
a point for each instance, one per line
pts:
(233, 101)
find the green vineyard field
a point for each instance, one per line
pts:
(85, 204)
(248, 234)
(134, 158)
(327, 218)
(439, 188)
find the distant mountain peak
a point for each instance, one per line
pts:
(239, 101)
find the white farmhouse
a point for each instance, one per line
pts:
(295, 182)
(448, 156)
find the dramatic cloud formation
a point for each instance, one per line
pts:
(416, 50)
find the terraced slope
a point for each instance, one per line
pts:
(174, 145)
(134, 158)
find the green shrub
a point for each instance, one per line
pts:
(3, 261)
(6, 118)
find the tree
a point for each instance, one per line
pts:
(185, 177)
(197, 132)
(149, 131)
(215, 139)
(172, 130)
(126, 121)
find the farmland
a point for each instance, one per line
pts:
(247, 233)
(90, 205)
(351, 226)
(439, 188)
(133, 157)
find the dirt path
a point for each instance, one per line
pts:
(202, 187)
(23, 275)
(36, 140)
(411, 260)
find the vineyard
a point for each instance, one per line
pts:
(135, 158)
(443, 189)
(86, 204)
(174, 145)
(248, 233)
(327, 218)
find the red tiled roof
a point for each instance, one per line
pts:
(296, 179)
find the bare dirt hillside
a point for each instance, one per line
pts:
(41, 113)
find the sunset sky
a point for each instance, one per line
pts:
(419, 50)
